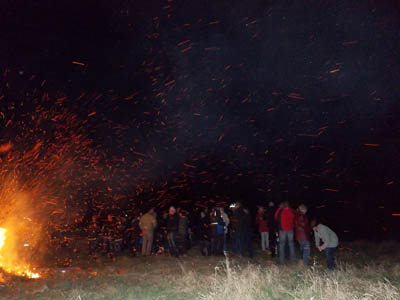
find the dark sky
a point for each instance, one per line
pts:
(209, 100)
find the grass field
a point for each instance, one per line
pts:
(365, 271)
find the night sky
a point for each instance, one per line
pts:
(204, 102)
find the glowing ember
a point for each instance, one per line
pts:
(8, 266)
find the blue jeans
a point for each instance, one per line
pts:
(330, 258)
(286, 237)
(305, 251)
(264, 240)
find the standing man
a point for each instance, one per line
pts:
(204, 234)
(183, 230)
(246, 236)
(262, 222)
(284, 216)
(147, 224)
(236, 222)
(172, 229)
(272, 229)
(303, 233)
(217, 232)
(330, 243)
(225, 217)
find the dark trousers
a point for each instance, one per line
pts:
(246, 244)
(273, 242)
(205, 246)
(172, 243)
(236, 242)
(330, 257)
(181, 240)
(217, 244)
(93, 246)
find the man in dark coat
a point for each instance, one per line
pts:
(172, 229)
(183, 230)
(204, 234)
(246, 235)
(272, 229)
(236, 223)
(217, 227)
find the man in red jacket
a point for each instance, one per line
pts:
(303, 233)
(284, 217)
(262, 222)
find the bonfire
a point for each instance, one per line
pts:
(12, 254)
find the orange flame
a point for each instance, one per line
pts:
(2, 237)
(7, 266)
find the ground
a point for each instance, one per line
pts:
(366, 271)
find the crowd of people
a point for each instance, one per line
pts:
(217, 230)
(145, 234)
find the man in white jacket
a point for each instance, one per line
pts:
(330, 242)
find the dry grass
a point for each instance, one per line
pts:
(365, 271)
(276, 282)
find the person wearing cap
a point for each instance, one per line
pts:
(285, 219)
